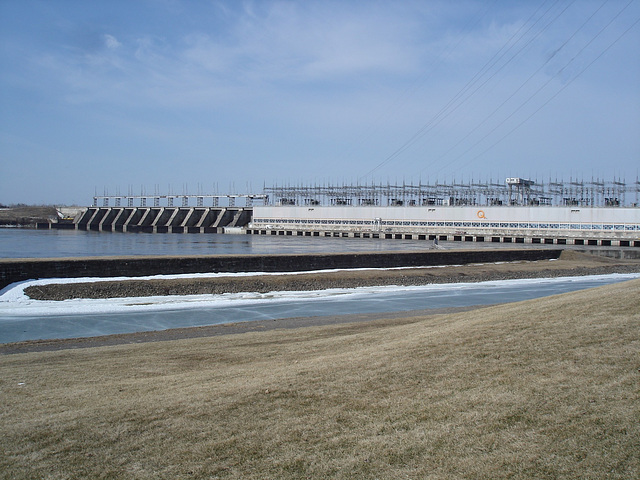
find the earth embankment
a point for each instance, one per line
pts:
(569, 264)
(20, 269)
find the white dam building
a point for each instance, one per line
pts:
(515, 212)
(552, 225)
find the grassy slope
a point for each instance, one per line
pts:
(540, 389)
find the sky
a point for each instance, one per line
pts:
(204, 96)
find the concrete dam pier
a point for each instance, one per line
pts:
(162, 219)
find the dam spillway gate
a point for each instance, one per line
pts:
(163, 219)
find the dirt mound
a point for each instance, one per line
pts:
(26, 215)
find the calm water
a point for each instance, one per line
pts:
(25, 243)
(183, 312)
(28, 243)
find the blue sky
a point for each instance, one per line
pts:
(226, 96)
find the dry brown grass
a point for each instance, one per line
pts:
(547, 388)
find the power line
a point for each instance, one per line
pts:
(556, 94)
(518, 90)
(443, 55)
(442, 113)
(476, 83)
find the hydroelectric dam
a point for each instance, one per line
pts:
(595, 213)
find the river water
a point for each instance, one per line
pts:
(29, 243)
(24, 319)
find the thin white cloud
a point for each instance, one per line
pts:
(276, 46)
(111, 42)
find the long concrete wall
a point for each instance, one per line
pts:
(16, 270)
(415, 215)
(615, 226)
